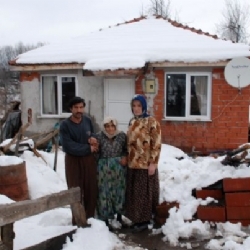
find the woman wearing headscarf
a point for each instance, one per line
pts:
(111, 171)
(144, 146)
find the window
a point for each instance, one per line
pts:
(56, 91)
(188, 96)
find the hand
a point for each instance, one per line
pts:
(151, 169)
(92, 140)
(124, 161)
(94, 148)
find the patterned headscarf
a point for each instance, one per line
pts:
(143, 102)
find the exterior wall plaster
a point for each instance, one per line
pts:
(90, 88)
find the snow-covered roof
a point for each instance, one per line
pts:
(132, 44)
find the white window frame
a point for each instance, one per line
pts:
(188, 117)
(59, 92)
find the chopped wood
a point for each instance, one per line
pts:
(13, 141)
(234, 158)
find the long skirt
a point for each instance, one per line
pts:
(112, 187)
(142, 195)
(81, 172)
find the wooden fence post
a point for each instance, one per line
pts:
(8, 235)
(79, 214)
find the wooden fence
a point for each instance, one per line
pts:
(9, 213)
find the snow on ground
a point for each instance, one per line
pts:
(177, 180)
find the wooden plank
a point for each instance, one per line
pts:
(10, 213)
(47, 138)
(55, 243)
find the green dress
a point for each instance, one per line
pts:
(111, 175)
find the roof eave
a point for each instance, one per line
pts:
(189, 64)
(42, 67)
(118, 72)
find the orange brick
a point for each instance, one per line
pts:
(215, 193)
(241, 199)
(234, 185)
(211, 213)
(238, 213)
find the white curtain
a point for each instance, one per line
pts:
(201, 84)
(49, 93)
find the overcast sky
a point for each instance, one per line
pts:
(32, 21)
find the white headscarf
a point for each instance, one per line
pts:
(108, 120)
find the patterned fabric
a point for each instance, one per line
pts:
(142, 195)
(144, 142)
(112, 185)
(144, 146)
(111, 175)
(117, 146)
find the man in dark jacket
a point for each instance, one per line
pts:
(79, 146)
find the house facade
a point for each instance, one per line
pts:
(185, 85)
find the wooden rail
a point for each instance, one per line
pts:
(9, 213)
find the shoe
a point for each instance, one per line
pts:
(119, 219)
(109, 226)
(138, 227)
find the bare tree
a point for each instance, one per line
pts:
(9, 86)
(160, 7)
(235, 21)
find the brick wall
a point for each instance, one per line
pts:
(228, 128)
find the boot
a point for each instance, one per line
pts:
(109, 226)
(119, 218)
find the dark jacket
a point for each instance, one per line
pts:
(74, 136)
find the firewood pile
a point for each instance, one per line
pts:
(237, 156)
(20, 142)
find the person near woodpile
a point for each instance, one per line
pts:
(79, 145)
(112, 167)
(144, 146)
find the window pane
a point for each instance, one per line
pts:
(68, 91)
(49, 95)
(199, 95)
(176, 95)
